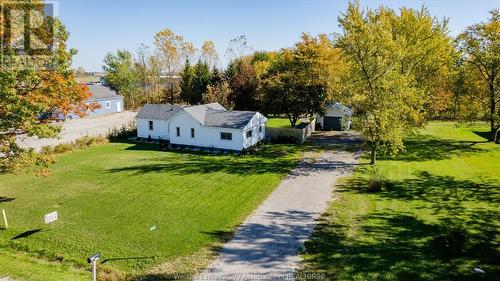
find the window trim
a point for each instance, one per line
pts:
(151, 125)
(223, 139)
(249, 132)
(107, 104)
(178, 131)
(192, 133)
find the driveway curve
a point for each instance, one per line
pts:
(266, 245)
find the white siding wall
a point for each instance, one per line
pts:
(204, 136)
(160, 129)
(257, 121)
(330, 111)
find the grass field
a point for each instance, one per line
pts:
(278, 122)
(447, 180)
(109, 196)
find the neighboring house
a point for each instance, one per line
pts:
(208, 126)
(337, 117)
(108, 99)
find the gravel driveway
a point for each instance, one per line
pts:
(265, 246)
(77, 128)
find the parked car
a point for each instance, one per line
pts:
(52, 116)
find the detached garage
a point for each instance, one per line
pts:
(337, 118)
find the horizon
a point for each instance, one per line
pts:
(266, 29)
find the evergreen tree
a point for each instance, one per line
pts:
(187, 83)
(201, 80)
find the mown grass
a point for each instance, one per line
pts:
(109, 196)
(28, 268)
(448, 177)
(278, 122)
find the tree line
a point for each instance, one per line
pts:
(396, 69)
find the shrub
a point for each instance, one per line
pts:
(126, 131)
(24, 159)
(80, 143)
(375, 180)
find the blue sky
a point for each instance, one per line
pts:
(101, 26)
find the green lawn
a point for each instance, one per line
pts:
(28, 268)
(278, 122)
(110, 195)
(449, 176)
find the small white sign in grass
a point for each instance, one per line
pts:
(50, 217)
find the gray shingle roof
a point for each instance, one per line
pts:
(210, 115)
(338, 106)
(200, 111)
(158, 111)
(101, 92)
(228, 119)
(215, 115)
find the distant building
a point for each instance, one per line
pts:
(337, 118)
(108, 99)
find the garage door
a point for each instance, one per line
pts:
(332, 123)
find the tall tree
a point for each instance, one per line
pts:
(216, 76)
(238, 47)
(427, 55)
(293, 84)
(187, 83)
(480, 44)
(382, 84)
(469, 95)
(244, 84)
(26, 93)
(172, 49)
(209, 54)
(219, 92)
(201, 80)
(322, 62)
(121, 75)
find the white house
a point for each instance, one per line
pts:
(208, 125)
(153, 120)
(337, 117)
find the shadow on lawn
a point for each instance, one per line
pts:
(26, 233)
(6, 199)
(272, 159)
(425, 148)
(128, 258)
(391, 245)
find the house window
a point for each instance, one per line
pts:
(178, 131)
(260, 129)
(192, 132)
(226, 136)
(150, 125)
(249, 133)
(107, 104)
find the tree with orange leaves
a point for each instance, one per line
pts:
(28, 91)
